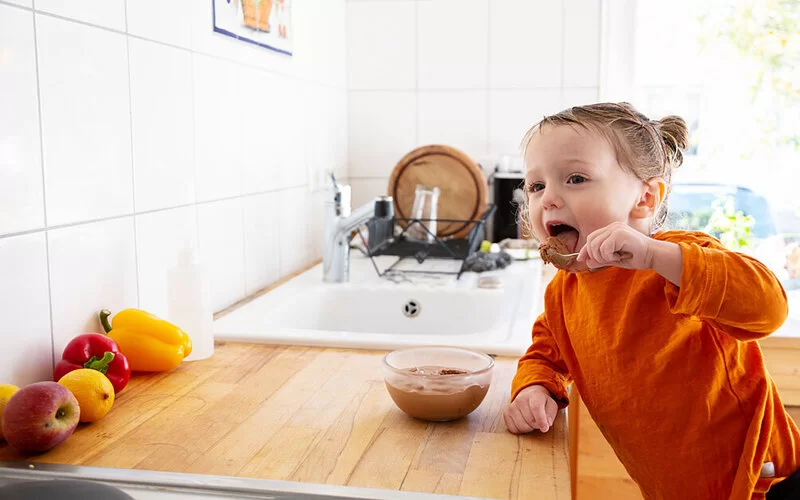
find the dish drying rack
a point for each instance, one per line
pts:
(384, 239)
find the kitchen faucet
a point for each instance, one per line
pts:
(339, 223)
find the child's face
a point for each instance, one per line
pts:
(575, 185)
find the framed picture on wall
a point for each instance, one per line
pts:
(266, 23)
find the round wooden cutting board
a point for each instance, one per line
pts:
(462, 186)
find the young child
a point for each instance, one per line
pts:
(655, 329)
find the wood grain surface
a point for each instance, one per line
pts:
(316, 415)
(782, 357)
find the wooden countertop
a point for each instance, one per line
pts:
(315, 415)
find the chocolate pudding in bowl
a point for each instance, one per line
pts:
(437, 383)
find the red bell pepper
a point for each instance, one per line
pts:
(97, 352)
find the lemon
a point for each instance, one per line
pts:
(93, 390)
(6, 391)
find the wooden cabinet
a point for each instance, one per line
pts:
(782, 357)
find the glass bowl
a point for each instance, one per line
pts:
(437, 383)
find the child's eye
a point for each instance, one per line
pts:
(535, 186)
(576, 179)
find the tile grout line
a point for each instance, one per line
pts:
(39, 106)
(487, 146)
(146, 212)
(50, 299)
(416, 74)
(244, 250)
(236, 83)
(133, 162)
(44, 194)
(563, 50)
(600, 48)
(194, 159)
(478, 89)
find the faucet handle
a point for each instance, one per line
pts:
(337, 193)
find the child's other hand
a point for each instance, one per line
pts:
(619, 245)
(533, 408)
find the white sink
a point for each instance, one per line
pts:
(375, 313)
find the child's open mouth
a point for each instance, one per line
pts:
(560, 247)
(566, 233)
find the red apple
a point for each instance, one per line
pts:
(40, 417)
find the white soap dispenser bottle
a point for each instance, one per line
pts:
(190, 303)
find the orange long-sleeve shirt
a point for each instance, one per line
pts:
(672, 376)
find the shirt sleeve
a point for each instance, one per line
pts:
(543, 365)
(734, 292)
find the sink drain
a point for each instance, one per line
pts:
(412, 308)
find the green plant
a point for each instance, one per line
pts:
(767, 34)
(731, 226)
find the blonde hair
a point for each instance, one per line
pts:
(646, 148)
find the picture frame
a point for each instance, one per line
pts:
(265, 23)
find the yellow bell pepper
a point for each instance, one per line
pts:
(150, 343)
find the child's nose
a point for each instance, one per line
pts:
(551, 199)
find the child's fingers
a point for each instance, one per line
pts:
(593, 247)
(608, 250)
(525, 409)
(539, 416)
(551, 409)
(597, 257)
(510, 424)
(517, 424)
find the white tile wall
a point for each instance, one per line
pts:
(20, 150)
(294, 229)
(261, 139)
(325, 108)
(581, 43)
(155, 133)
(294, 138)
(106, 13)
(578, 96)
(22, 3)
(160, 237)
(92, 267)
(327, 62)
(25, 307)
(365, 189)
(513, 112)
(526, 45)
(219, 100)
(85, 121)
(163, 125)
(485, 71)
(456, 118)
(221, 231)
(381, 45)
(383, 128)
(452, 44)
(167, 22)
(261, 248)
(315, 217)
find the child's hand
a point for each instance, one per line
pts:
(533, 408)
(619, 245)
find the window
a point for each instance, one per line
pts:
(731, 69)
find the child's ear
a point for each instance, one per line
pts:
(653, 192)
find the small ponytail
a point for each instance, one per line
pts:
(675, 135)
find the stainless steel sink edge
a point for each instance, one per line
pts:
(202, 485)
